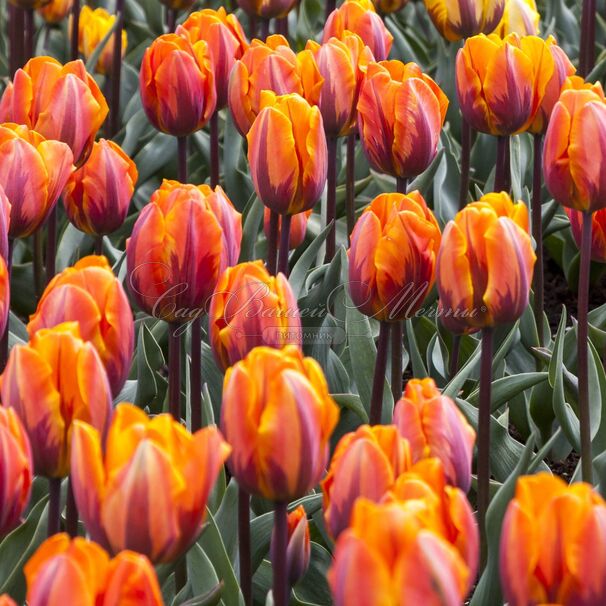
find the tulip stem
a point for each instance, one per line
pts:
(244, 546)
(16, 28)
(483, 466)
(537, 234)
(71, 511)
(330, 7)
(284, 244)
(75, 30)
(331, 198)
(114, 113)
(195, 378)
(500, 177)
(401, 185)
(54, 506)
(4, 341)
(272, 242)
(453, 366)
(350, 182)
(376, 400)
(38, 262)
(29, 34)
(99, 245)
(282, 26)
(214, 149)
(171, 19)
(280, 585)
(582, 350)
(182, 159)
(252, 26)
(174, 370)
(465, 162)
(264, 29)
(180, 574)
(51, 244)
(397, 334)
(587, 44)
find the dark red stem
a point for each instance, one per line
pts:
(376, 399)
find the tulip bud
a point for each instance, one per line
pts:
(226, 42)
(78, 571)
(385, 7)
(145, 458)
(341, 64)
(598, 232)
(574, 149)
(435, 427)
(401, 112)
(299, 547)
(365, 464)
(181, 243)
(263, 394)
(359, 17)
(55, 10)
(298, 227)
(501, 83)
(392, 257)
(33, 172)
(94, 25)
(293, 180)
(553, 544)
(98, 194)
(52, 381)
(519, 17)
(177, 85)
(90, 294)
(61, 102)
(484, 270)
(267, 9)
(16, 471)
(250, 308)
(456, 19)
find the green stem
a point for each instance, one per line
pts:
(376, 399)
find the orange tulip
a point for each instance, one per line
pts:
(55, 10)
(5, 295)
(298, 549)
(504, 206)
(6, 600)
(501, 83)
(5, 220)
(267, 9)
(401, 112)
(93, 27)
(98, 194)
(456, 19)
(598, 232)
(250, 308)
(90, 294)
(148, 490)
(298, 227)
(33, 172)
(226, 41)
(392, 257)
(292, 181)
(16, 471)
(435, 427)
(484, 270)
(553, 544)
(177, 84)
(51, 382)
(365, 464)
(61, 102)
(181, 243)
(520, 17)
(77, 571)
(341, 64)
(263, 394)
(359, 17)
(575, 145)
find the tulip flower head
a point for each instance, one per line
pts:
(504, 206)
(181, 243)
(359, 17)
(6, 600)
(267, 9)
(263, 394)
(93, 27)
(365, 464)
(598, 232)
(298, 550)
(434, 427)
(385, 7)
(5, 220)
(55, 10)
(51, 382)
(33, 171)
(519, 17)
(60, 102)
(392, 257)
(177, 84)
(549, 531)
(292, 181)
(456, 19)
(298, 227)
(147, 491)
(98, 194)
(484, 270)
(5, 295)
(401, 112)
(90, 294)
(16, 469)
(78, 571)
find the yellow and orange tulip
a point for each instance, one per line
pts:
(298, 227)
(55, 10)
(77, 571)
(401, 112)
(392, 257)
(298, 549)
(292, 181)
(177, 84)
(90, 294)
(97, 195)
(93, 26)
(33, 171)
(484, 270)
(60, 102)
(598, 232)
(456, 19)
(51, 382)
(5, 220)
(553, 544)
(519, 17)
(181, 243)
(16, 470)
(502, 204)
(147, 489)
(263, 394)
(365, 464)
